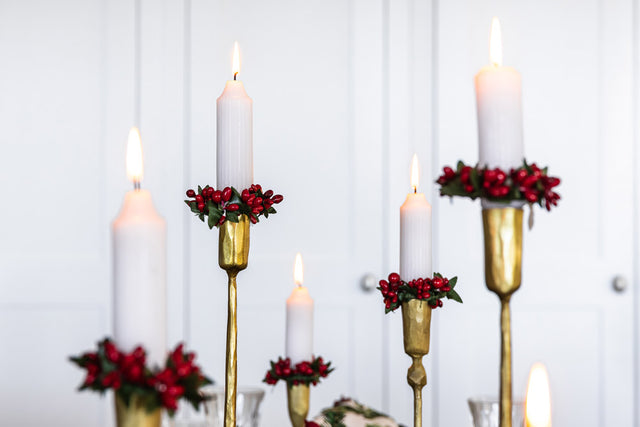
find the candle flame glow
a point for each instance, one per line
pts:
(298, 271)
(134, 156)
(236, 60)
(495, 43)
(415, 173)
(538, 403)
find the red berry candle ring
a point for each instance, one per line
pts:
(298, 379)
(528, 183)
(142, 391)
(417, 298)
(232, 212)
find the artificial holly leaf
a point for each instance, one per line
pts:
(216, 215)
(232, 216)
(460, 166)
(212, 221)
(199, 190)
(454, 296)
(453, 281)
(475, 178)
(272, 210)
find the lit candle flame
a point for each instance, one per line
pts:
(298, 271)
(538, 403)
(415, 173)
(236, 60)
(134, 156)
(495, 43)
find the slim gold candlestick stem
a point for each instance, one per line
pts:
(503, 275)
(233, 257)
(416, 330)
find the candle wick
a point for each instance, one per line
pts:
(136, 185)
(235, 76)
(415, 190)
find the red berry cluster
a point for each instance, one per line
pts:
(390, 291)
(220, 199)
(302, 373)
(536, 185)
(258, 201)
(395, 291)
(528, 183)
(219, 206)
(110, 368)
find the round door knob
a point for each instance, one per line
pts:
(368, 283)
(620, 283)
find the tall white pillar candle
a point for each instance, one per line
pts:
(499, 102)
(299, 326)
(139, 267)
(234, 133)
(415, 232)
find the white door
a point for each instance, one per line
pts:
(576, 63)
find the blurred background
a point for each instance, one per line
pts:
(344, 91)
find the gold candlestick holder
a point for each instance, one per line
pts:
(503, 274)
(136, 415)
(416, 329)
(233, 257)
(298, 404)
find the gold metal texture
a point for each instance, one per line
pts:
(233, 257)
(298, 404)
(416, 329)
(503, 275)
(136, 415)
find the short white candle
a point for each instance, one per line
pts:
(415, 231)
(538, 402)
(139, 266)
(234, 156)
(499, 102)
(299, 327)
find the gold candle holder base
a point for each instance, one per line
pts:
(416, 329)
(233, 257)
(298, 404)
(503, 275)
(136, 415)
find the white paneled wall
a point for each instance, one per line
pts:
(344, 93)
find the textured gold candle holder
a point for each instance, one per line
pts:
(416, 330)
(233, 256)
(503, 274)
(298, 404)
(136, 415)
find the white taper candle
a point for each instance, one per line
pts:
(234, 148)
(499, 103)
(415, 232)
(299, 326)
